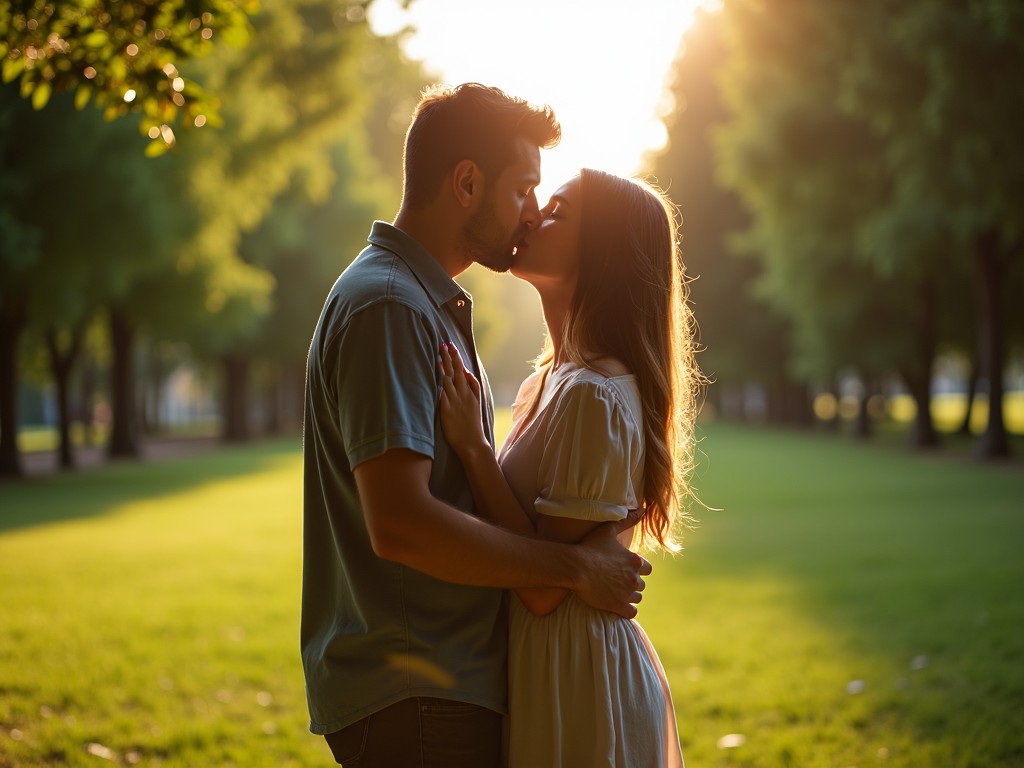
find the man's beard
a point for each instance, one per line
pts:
(486, 243)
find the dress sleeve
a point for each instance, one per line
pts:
(590, 464)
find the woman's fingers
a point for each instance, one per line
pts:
(447, 368)
(454, 375)
(467, 379)
(456, 357)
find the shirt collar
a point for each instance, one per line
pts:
(428, 271)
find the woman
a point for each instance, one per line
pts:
(603, 426)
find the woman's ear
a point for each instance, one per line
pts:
(467, 182)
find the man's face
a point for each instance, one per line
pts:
(507, 212)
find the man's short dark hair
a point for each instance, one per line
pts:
(469, 122)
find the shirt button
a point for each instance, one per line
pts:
(460, 303)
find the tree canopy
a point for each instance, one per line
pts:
(124, 54)
(877, 159)
(162, 246)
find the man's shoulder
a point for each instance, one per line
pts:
(379, 275)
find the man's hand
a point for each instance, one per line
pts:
(611, 578)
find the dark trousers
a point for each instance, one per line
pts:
(421, 733)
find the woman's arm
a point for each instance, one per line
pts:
(460, 418)
(463, 428)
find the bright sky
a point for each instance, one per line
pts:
(601, 64)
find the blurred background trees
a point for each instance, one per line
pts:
(850, 182)
(182, 182)
(223, 247)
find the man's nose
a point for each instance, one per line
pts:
(531, 215)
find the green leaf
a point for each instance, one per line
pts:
(41, 95)
(156, 148)
(82, 95)
(96, 39)
(12, 68)
(118, 68)
(192, 90)
(237, 36)
(213, 119)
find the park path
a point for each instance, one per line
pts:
(90, 457)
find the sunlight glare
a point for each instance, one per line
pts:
(601, 65)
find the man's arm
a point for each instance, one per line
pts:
(408, 525)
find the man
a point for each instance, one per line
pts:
(403, 629)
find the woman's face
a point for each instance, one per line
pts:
(549, 256)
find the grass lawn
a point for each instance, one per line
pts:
(848, 606)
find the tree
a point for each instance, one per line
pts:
(292, 94)
(320, 223)
(745, 338)
(826, 187)
(123, 54)
(952, 137)
(164, 239)
(84, 204)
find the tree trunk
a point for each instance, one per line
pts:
(972, 389)
(87, 391)
(61, 364)
(273, 423)
(862, 426)
(123, 424)
(154, 394)
(12, 321)
(919, 376)
(294, 399)
(235, 406)
(993, 443)
(798, 404)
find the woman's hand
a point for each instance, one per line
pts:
(461, 416)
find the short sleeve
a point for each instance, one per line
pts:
(591, 456)
(385, 378)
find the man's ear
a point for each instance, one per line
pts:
(467, 182)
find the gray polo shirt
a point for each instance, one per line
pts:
(374, 632)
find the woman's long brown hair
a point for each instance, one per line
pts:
(630, 304)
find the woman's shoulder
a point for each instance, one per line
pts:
(611, 383)
(606, 375)
(609, 367)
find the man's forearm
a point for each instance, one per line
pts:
(451, 545)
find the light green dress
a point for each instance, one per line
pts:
(586, 688)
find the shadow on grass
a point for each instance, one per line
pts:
(910, 560)
(68, 496)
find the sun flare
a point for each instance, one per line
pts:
(601, 65)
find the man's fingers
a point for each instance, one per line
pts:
(645, 567)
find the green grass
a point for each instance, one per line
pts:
(35, 438)
(152, 610)
(832, 562)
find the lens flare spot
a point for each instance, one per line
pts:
(422, 668)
